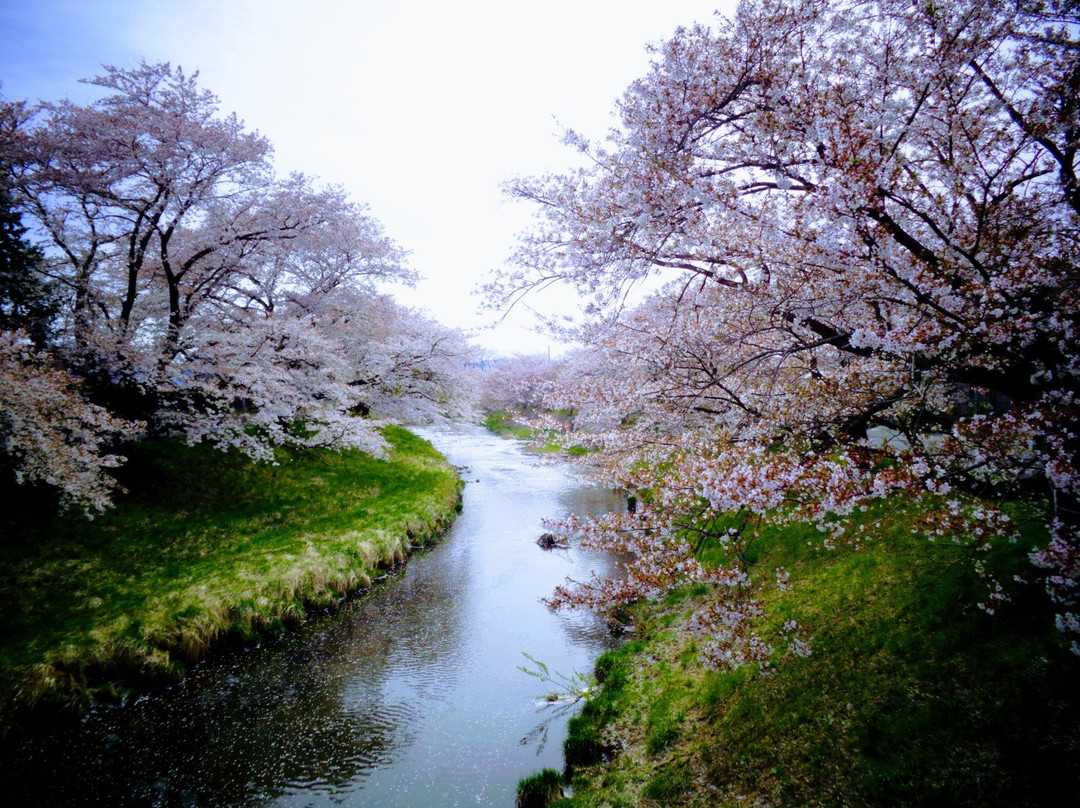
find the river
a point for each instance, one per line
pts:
(410, 695)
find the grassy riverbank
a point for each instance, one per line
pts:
(516, 424)
(502, 423)
(912, 695)
(205, 546)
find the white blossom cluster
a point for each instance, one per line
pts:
(54, 435)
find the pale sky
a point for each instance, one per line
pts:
(420, 109)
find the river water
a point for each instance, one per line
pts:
(408, 696)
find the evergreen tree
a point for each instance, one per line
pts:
(25, 301)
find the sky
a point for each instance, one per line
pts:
(421, 110)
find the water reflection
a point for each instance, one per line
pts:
(409, 696)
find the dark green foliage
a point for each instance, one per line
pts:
(605, 664)
(26, 302)
(583, 745)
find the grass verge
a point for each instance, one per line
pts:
(505, 424)
(204, 546)
(502, 423)
(912, 695)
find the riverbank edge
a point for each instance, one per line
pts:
(912, 693)
(69, 683)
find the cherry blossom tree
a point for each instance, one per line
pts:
(519, 383)
(405, 365)
(201, 293)
(832, 254)
(49, 432)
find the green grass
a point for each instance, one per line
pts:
(539, 790)
(912, 695)
(502, 423)
(203, 546)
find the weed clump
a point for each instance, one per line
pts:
(539, 790)
(583, 745)
(670, 782)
